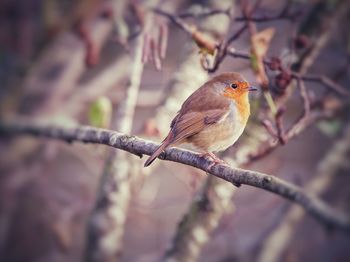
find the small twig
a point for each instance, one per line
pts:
(175, 20)
(304, 96)
(284, 15)
(222, 49)
(205, 13)
(155, 39)
(236, 35)
(163, 40)
(300, 125)
(244, 55)
(92, 56)
(326, 81)
(279, 131)
(269, 127)
(280, 126)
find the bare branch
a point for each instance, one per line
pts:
(284, 14)
(296, 129)
(175, 20)
(269, 127)
(317, 208)
(204, 13)
(223, 47)
(305, 97)
(280, 126)
(326, 81)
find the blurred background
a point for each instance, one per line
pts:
(124, 65)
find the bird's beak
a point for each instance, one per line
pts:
(252, 88)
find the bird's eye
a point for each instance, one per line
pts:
(234, 86)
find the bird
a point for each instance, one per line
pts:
(212, 118)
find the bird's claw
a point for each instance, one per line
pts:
(214, 158)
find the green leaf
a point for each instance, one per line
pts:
(270, 102)
(330, 128)
(100, 112)
(254, 62)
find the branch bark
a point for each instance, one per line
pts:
(137, 146)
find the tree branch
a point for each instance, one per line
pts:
(284, 14)
(317, 208)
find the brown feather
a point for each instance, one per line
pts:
(166, 142)
(192, 123)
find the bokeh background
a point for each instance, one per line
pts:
(72, 62)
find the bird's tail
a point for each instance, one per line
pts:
(163, 146)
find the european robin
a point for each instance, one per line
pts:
(212, 118)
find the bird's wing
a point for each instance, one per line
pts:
(191, 123)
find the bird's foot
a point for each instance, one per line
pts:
(213, 157)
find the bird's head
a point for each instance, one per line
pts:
(232, 85)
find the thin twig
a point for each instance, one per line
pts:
(223, 47)
(280, 126)
(236, 35)
(205, 13)
(284, 14)
(305, 96)
(269, 127)
(175, 20)
(296, 129)
(324, 80)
